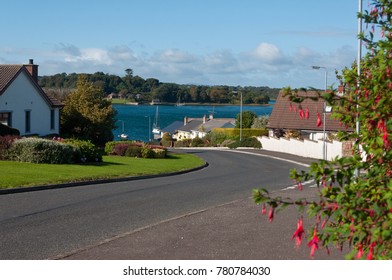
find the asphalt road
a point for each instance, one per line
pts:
(50, 223)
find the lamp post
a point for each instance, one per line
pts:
(357, 129)
(241, 118)
(324, 109)
(149, 127)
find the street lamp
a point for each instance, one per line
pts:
(149, 127)
(324, 109)
(241, 119)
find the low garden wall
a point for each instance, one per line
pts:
(303, 148)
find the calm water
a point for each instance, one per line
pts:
(135, 119)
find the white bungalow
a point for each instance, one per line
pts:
(23, 103)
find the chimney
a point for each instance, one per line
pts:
(185, 120)
(340, 90)
(33, 69)
(204, 119)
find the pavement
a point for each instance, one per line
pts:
(232, 231)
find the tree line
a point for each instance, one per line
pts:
(137, 89)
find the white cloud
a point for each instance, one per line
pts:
(266, 64)
(268, 52)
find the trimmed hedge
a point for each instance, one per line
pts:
(85, 150)
(246, 132)
(251, 142)
(37, 150)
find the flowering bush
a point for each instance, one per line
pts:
(86, 151)
(36, 150)
(355, 193)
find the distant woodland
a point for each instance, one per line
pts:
(136, 89)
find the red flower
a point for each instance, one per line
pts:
(319, 122)
(313, 244)
(360, 252)
(301, 113)
(370, 255)
(271, 214)
(298, 233)
(263, 210)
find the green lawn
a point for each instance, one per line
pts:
(19, 174)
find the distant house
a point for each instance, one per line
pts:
(23, 103)
(198, 127)
(307, 120)
(286, 115)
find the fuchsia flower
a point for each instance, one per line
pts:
(271, 214)
(313, 244)
(301, 113)
(360, 252)
(298, 234)
(319, 122)
(263, 210)
(370, 255)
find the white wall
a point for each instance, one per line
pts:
(20, 96)
(303, 148)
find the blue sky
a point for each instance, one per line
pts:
(211, 42)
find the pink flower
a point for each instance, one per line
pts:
(313, 244)
(300, 187)
(307, 113)
(360, 252)
(271, 214)
(291, 107)
(263, 210)
(319, 122)
(298, 234)
(301, 113)
(370, 255)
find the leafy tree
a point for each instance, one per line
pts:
(248, 118)
(354, 207)
(87, 114)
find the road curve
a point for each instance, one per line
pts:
(48, 223)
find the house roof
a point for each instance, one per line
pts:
(285, 118)
(192, 124)
(209, 125)
(8, 74)
(173, 127)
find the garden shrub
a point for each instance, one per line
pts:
(159, 153)
(197, 142)
(133, 151)
(182, 143)
(120, 149)
(6, 144)
(246, 132)
(147, 152)
(87, 151)
(36, 150)
(251, 142)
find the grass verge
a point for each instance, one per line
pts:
(20, 174)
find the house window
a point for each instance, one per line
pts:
(52, 119)
(27, 121)
(5, 118)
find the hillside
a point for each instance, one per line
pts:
(137, 89)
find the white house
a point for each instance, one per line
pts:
(23, 103)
